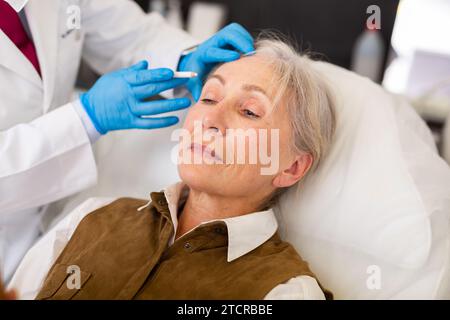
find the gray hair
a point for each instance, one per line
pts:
(310, 102)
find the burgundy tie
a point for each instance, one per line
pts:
(12, 26)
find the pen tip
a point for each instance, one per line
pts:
(249, 53)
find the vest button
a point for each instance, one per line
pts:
(219, 230)
(161, 202)
(187, 245)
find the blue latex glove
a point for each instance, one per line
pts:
(117, 99)
(226, 45)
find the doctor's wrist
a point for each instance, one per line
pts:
(93, 133)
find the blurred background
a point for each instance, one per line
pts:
(407, 50)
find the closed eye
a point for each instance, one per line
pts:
(250, 114)
(208, 101)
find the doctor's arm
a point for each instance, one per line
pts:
(44, 160)
(51, 157)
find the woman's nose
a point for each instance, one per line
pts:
(214, 119)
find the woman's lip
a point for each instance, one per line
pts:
(203, 149)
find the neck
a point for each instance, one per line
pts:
(202, 207)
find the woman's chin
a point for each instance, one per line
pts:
(200, 174)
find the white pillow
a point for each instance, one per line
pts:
(379, 204)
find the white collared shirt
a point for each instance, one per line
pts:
(245, 233)
(17, 4)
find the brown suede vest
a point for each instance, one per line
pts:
(124, 254)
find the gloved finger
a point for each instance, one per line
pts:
(141, 65)
(151, 89)
(236, 41)
(214, 55)
(141, 77)
(195, 88)
(237, 27)
(154, 123)
(161, 106)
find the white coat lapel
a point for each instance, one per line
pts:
(12, 58)
(42, 18)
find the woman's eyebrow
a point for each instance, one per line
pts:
(216, 76)
(246, 87)
(252, 87)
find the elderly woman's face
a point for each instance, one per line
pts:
(238, 95)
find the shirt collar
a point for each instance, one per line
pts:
(245, 233)
(17, 4)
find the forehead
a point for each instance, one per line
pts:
(253, 70)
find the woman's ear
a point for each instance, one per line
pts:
(297, 170)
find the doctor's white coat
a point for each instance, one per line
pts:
(45, 152)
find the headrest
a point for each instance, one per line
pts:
(373, 196)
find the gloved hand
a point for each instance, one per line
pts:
(117, 99)
(222, 47)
